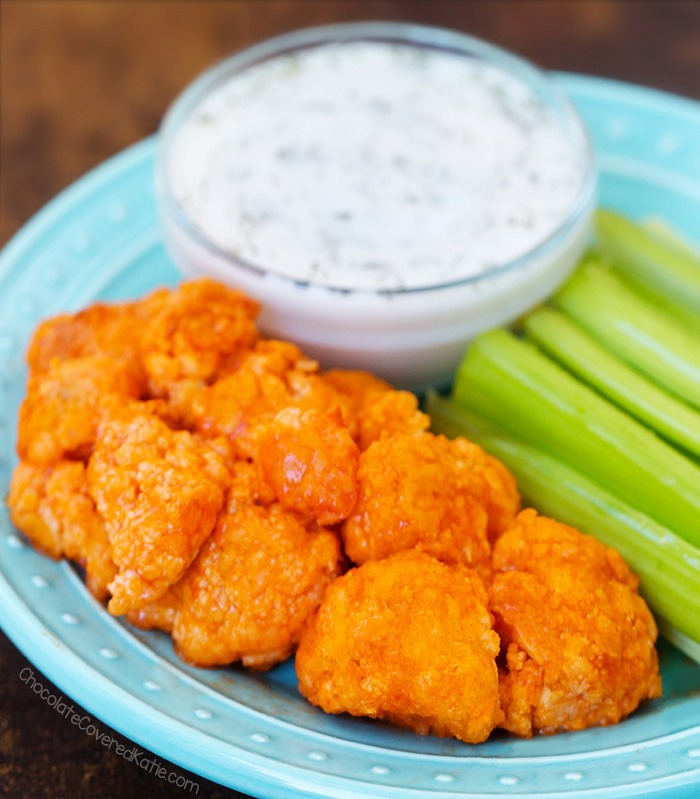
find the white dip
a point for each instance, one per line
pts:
(374, 165)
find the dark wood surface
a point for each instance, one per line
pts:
(80, 81)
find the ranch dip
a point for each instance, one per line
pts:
(373, 165)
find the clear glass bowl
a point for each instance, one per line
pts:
(412, 337)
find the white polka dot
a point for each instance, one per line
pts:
(202, 713)
(109, 654)
(382, 770)
(259, 737)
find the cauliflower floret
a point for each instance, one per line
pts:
(424, 491)
(111, 331)
(193, 335)
(374, 408)
(56, 512)
(253, 585)
(407, 639)
(61, 410)
(159, 492)
(578, 638)
(310, 461)
(273, 376)
(252, 588)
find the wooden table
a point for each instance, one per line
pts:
(82, 80)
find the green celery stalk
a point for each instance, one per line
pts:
(512, 383)
(630, 326)
(684, 316)
(668, 236)
(569, 345)
(668, 566)
(685, 643)
(649, 260)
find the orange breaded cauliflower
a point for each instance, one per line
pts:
(310, 461)
(255, 582)
(61, 410)
(578, 638)
(254, 392)
(425, 491)
(246, 488)
(159, 614)
(407, 639)
(194, 334)
(159, 492)
(272, 376)
(374, 408)
(107, 330)
(58, 515)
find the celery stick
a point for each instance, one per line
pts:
(668, 236)
(513, 384)
(647, 338)
(684, 316)
(570, 346)
(668, 567)
(650, 261)
(687, 645)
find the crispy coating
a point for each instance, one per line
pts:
(29, 510)
(159, 492)
(374, 408)
(252, 587)
(194, 334)
(54, 509)
(310, 461)
(578, 638)
(407, 639)
(159, 614)
(272, 376)
(425, 491)
(253, 393)
(61, 410)
(101, 329)
(246, 488)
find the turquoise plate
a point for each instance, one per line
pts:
(100, 240)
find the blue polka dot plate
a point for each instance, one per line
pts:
(100, 240)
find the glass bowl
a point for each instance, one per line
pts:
(413, 336)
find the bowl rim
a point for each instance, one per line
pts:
(444, 39)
